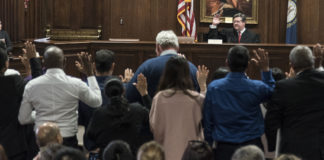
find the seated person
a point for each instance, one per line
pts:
(46, 134)
(237, 34)
(117, 150)
(198, 150)
(49, 151)
(69, 153)
(288, 157)
(249, 152)
(151, 151)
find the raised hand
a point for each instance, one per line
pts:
(25, 61)
(84, 64)
(318, 54)
(128, 75)
(216, 20)
(291, 73)
(202, 75)
(141, 84)
(261, 58)
(181, 55)
(30, 50)
(79, 67)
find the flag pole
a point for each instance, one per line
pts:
(186, 22)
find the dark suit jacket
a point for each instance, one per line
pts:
(14, 137)
(230, 35)
(4, 35)
(297, 107)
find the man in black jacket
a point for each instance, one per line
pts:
(297, 108)
(237, 34)
(15, 138)
(4, 37)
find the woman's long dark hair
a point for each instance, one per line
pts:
(176, 75)
(114, 89)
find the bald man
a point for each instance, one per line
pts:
(48, 133)
(55, 96)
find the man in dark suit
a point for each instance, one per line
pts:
(4, 37)
(15, 138)
(297, 108)
(237, 34)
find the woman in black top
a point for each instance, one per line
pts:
(119, 120)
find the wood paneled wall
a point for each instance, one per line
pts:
(143, 19)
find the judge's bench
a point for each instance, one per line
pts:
(132, 53)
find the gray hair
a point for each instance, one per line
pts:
(288, 157)
(249, 152)
(167, 39)
(301, 57)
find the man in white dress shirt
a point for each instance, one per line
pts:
(55, 96)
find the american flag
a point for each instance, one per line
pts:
(186, 18)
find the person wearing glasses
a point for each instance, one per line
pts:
(238, 34)
(4, 37)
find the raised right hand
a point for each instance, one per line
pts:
(216, 20)
(84, 64)
(141, 84)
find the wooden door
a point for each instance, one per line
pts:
(130, 19)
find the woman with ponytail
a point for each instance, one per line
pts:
(119, 120)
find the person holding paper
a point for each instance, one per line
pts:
(237, 34)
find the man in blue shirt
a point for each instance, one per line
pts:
(232, 114)
(167, 45)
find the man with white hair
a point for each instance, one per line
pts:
(297, 108)
(167, 45)
(249, 152)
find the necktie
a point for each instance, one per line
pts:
(239, 36)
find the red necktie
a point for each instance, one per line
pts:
(239, 36)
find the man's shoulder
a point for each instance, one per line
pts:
(311, 77)
(45, 79)
(11, 72)
(3, 32)
(152, 61)
(136, 107)
(192, 66)
(35, 80)
(256, 83)
(10, 78)
(156, 62)
(249, 32)
(159, 58)
(216, 83)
